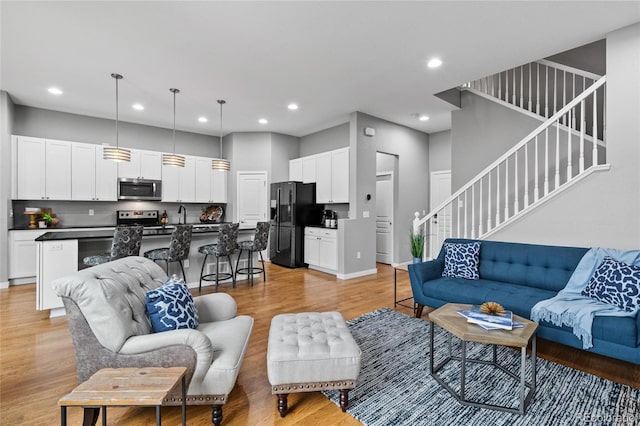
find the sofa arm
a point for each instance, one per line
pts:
(195, 339)
(419, 273)
(215, 307)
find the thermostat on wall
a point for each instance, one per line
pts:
(369, 131)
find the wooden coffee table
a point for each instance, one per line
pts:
(124, 387)
(447, 317)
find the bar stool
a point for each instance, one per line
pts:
(126, 242)
(258, 244)
(177, 251)
(226, 246)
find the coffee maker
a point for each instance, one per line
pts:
(329, 219)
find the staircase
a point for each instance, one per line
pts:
(565, 148)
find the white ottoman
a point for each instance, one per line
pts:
(311, 351)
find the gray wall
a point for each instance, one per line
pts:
(411, 147)
(603, 209)
(591, 57)
(44, 123)
(440, 151)
(283, 149)
(480, 133)
(7, 111)
(325, 140)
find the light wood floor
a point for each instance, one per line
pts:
(38, 365)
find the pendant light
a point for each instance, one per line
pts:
(173, 159)
(221, 163)
(116, 153)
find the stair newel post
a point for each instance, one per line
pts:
(458, 231)
(583, 125)
(573, 122)
(565, 120)
(536, 189)
(546, 161)
(546, 91)
(555, 90)
(465, 207)
(500, 85)
(604, 113)
(521, 87)
(595, 128)
(473, 210)
(513, 95)
(506, 86)
(480, 210)
(569, 151)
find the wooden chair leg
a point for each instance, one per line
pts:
(344, 399)
(216, 415)
(282, 404)
(419, 309)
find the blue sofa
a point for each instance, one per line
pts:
(518, 276)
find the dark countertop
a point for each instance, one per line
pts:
(107, 233)
(112, 226)
(322, 226)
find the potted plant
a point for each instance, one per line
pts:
(417, 246)
(47, 218)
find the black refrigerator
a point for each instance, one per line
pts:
(293, 206)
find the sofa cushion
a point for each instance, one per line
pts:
(615, 283)
(621, 330)
(461, 260)
(171, 307)
(112, 297)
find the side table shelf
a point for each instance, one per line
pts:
(403, 267)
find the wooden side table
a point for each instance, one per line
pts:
(124, 387)
(403, 267)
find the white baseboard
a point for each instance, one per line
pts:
(21, 281)
(321, 269)
(4, 284)
(357, 274)
(57, 312)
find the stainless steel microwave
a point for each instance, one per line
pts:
(139, 189)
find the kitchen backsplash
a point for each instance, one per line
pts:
(76, 213)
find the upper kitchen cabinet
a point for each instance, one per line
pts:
(43, 169)
(179, 183)
(332, 176)
(94, 178)
(295, 170)
(211, 185)
(143, 165)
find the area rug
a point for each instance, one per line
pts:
(395, 388)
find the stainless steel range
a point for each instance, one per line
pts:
(138, 217)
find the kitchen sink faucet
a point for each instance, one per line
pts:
(182, 209)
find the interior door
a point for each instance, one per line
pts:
(384, 218)
(252, 198)
(440, 191)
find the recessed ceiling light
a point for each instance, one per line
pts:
(292, 107)
(137, 107)
(263, 121)
(423, 117)
(54, 91)
(203, 119)
(434, 63)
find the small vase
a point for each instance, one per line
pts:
(417, 260)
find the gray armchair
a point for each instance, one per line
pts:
(109, 327)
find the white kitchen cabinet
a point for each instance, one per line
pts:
(210, 185)
(332, 176)
(179, 183)
(321, 249)
(295, 169)
(143, 165)
(93, 177)
(309, 169)
(22, 253)
(43, 169)
(55, 260)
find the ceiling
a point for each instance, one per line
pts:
(331, 58)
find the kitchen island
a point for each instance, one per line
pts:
(61, 253)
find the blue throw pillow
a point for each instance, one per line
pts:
(615, 283)
(171, 307)
(461, 260)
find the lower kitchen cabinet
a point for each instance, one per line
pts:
(321, 249)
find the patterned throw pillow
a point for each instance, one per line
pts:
(461, 260)
(615, 283)
(171, 307)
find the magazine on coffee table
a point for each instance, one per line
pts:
(486, 321)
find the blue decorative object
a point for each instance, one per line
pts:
(461, 260)
(417, 260)
(171, 307)
(615, 283)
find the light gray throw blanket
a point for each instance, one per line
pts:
(569, 307)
